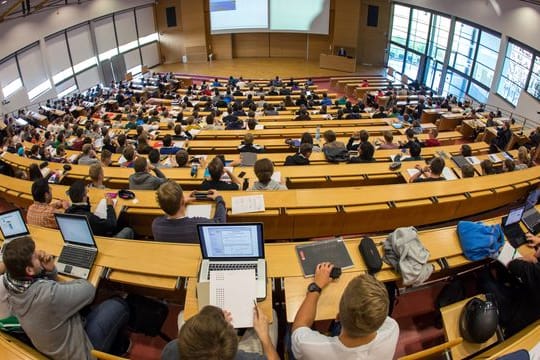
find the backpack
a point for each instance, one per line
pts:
(479, 241)
(336, 155)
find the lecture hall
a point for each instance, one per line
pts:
(269, 179)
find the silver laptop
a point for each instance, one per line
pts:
(234, 246)
(80, 250)
(531, 217)
(12, 225)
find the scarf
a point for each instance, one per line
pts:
(16, 286)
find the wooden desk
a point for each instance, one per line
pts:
(451, 315)
(341, 63)
(526, 339)
(334, 80)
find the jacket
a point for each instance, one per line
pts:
(99, 226)
(404, 251)
(49, 314)
(146, 181)
(296, 159)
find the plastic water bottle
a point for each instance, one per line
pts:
(318, 133)
(194, 170)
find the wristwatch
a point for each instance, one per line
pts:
(314, 288)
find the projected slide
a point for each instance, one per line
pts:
(238, 15)
(312, 16)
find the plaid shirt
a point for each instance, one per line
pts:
(42, 214)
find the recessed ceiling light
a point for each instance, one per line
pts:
(4, 2)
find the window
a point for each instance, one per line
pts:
(412, 64)
(455, 84)
(68, 91)
(463, 47)
(440, 29)
(486, 59)
(419, 30)
(433, 74)
(478, 93)
(148, 39)
(12, 87)
(83, 65)
(400, 24)
(517, 63)
(395, 60)
(40, 89)
(534, 83)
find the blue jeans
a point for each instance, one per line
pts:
(105, 321)
(125, 233)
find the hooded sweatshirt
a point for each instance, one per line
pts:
(143, 180)
(48, 312)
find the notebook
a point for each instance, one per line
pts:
(512, 229)
(230, 247)
(12, 225)
(334, 251)
(80, 250)
(531, 217)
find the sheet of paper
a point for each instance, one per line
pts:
(276, 176)
(507, 254)
(194, 132)
(202, 210)
(101, 208)
(122, 160)
(179, 144)
(412, 171)
(494, 158)
(234, 291)
(534, 353)
(449, 174)
(72, 158)
(247, 204)
(259, 127)
(473, 160)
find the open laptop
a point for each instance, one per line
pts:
(460, 161)
(80, 250)
(12, 225)
(512, 228)
(531, 217)
(234, 246)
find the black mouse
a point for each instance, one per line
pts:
(335, 273)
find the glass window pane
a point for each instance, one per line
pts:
(455, 84)
(412, 63)
(483, 74)
(419, 30)
(509, 90)
(400, 24)
(534, 84)
(464, 47)
(519, 55)
(395, 58)
(478, 93)
(440, 27)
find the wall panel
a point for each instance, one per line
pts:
(251, 45)
(222, 46)
(288, 45)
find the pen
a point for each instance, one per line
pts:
(514, 254)
(256, 308)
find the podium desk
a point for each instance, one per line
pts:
(335, 62)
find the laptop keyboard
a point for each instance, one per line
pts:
(226, 267)
(77, 256)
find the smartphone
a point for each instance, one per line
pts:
(112, 195)
(242, 174)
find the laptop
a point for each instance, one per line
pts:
(512, 228)
(531, 216)
(234, 246)
(12, 225)
(460, 161)
(80, 250)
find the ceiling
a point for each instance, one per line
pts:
(12, 9)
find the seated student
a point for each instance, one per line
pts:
(209, 335)
(154, 159)
(381, 114)
(182, 158)
(356, 139)
(366, 330)
(301, 157)
(465, 150)
(417, 127)
(415, 151)
(508, 165)
(106, 158)
(487, 167)
(49, 311)
(504, 134)
(217, 170)
(178, 134)
(175, 226)
(143, 147)
(432, 140)
(264, 169)
(248, 145)
(168, 147)
(432, 172)
(517, 299)
(129, 156)
(523, 160)
(308, 139)
(366, 151)
(88, 155)
(142, 179)
(411, 139)
(467, 171)
(388, 141)
(329, 137)
(80, 205)
(41, 212)
(95, 172)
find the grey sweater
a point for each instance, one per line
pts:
(272, 185)
(146, 181)
(48, 312)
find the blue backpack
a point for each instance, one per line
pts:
(479, 241)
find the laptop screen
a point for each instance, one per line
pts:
(12, 224)
(219, 241)
(514, 216)
(75, 229)
(532, 199)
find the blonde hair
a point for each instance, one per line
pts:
(94, 171)
(169, 196)
(363, 306)
(523, 155)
